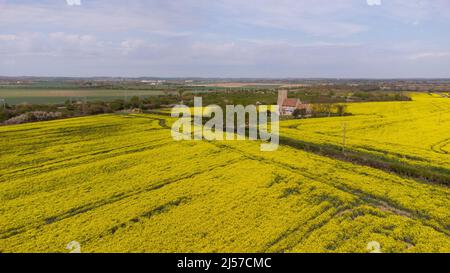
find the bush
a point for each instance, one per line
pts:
(33, 116)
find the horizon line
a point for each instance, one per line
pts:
(232, 78)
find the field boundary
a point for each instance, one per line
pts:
(360, 158)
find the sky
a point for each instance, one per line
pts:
(226, 38)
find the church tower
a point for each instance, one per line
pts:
(282, 96)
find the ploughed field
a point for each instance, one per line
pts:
(119, 183)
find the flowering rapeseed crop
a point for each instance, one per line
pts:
(119, 183)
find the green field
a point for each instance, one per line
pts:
(59, 96)
(119, 183)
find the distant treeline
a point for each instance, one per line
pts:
(326, 102)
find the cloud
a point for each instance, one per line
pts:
(374, 2)
(429, 55)
(73, 2)
(8, 37)
(55, 44)
(102, 16)
(312, 17)
(227, 37)
(416, 12)
(75, 54)
(241, 52)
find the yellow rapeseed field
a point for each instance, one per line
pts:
(119, 183)
(416, 133)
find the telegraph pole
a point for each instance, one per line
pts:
(84, 106)
(3, 102)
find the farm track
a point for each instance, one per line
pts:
(292, 232)
(161, 209)
(374, 201)
(113, 199)
(66, 162)
(108, 152)
(162, 122)
(439, 147)
(400, 168)
(149, 214)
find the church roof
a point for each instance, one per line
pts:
(291, 102)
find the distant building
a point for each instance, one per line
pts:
(153, 82)
(288, 106)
